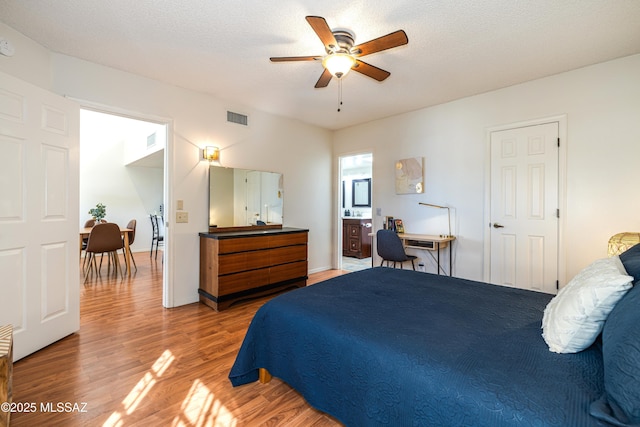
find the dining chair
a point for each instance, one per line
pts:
(88, 224)
(132, 236)
(157, 238)
(104, 238)
(390, 248)
(91, 222)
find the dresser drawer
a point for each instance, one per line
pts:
(287, 239)
(289, 271)
(242, 261)
(242, 281)
(227, 246)
(287, 254)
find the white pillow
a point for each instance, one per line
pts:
(574, 318)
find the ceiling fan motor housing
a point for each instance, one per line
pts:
(345, 39)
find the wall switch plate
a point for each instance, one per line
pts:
(378, 211)
(182, 217)
(179, 205)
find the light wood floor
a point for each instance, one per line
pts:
(135, 363)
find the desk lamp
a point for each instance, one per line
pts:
(448, 214)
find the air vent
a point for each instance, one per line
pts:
(238, 118)
(151, 140)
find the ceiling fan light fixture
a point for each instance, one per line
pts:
(341, 53)
(338, 64)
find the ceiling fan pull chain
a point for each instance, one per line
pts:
(339, 94)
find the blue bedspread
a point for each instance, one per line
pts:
(402, 348)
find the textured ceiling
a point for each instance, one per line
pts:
(456, 48)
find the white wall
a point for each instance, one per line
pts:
(602, 106)
(31, 61)
(302, 153)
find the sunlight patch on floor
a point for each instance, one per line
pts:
(201, 409)
(141, 389)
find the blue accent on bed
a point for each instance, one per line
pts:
(403, 348)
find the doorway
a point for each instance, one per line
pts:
(122, 166)
(355, 217)
(524, 205)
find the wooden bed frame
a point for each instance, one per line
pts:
(264, 376)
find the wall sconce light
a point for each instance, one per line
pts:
(211, 153)
(448, 214)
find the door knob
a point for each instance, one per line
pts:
(496, 225)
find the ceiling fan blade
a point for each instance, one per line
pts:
(369, 70)
(323, 31)
(324, 79)
(295, 58)
(395, 39)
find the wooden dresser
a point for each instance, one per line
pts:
(243, 264)
(356, 241)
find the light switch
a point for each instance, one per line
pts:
(182, 217)
(179, 205)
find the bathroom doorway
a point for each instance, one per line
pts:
(355, 216)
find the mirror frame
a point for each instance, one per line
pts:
(361, 193)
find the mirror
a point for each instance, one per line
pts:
(361, 193)
(242, 197)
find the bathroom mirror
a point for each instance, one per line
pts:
(361, 193)
(243, 197)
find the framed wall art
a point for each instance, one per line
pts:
(409, 176)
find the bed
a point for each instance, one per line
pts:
(403, 348)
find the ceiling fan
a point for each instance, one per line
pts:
(342, 55)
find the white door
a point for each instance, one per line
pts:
(39, 264)
(524, 207)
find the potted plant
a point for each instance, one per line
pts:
(99, 212)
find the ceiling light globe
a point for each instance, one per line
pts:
(338, 64)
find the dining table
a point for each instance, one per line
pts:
(85, 231)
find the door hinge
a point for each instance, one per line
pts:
(558, 142)
(557, 285)
(557, 213)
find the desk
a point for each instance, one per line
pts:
(430, 243)
(84, 233)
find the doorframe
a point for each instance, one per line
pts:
(340, 158)
(562, 187)
(167, 265)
